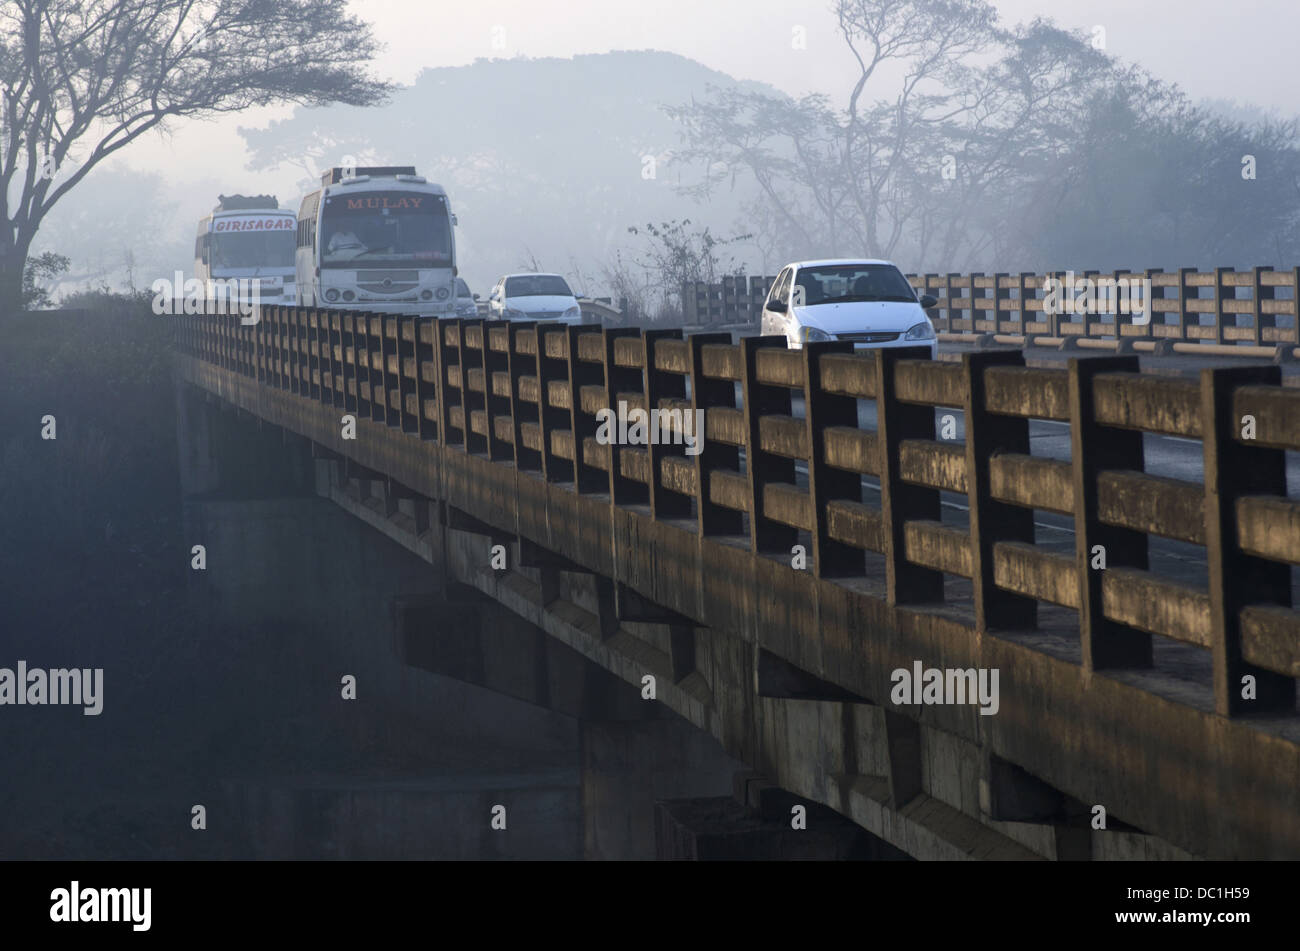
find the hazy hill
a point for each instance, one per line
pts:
(541, 157)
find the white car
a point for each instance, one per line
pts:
(533, 297)
(869, 303)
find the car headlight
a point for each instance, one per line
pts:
(512, 314)
(813, 335)
(922, 331)
(572, 312)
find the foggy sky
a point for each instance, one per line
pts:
(1241, 50)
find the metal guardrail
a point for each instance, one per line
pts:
(523, 399)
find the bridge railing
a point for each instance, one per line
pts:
(1223, 307)
(784, 455)
(732, 300)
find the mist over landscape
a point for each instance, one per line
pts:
(891, 454)
(550, 161)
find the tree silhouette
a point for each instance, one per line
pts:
(82, 79)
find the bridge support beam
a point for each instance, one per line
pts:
(630, 765)
(758, 822)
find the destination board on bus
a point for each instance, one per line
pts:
(241, 223)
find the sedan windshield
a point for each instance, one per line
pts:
(537, 285)
(842, 283)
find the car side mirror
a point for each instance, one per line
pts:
(476, 297)
(778, 306)
(929, 301)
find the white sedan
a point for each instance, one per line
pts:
(869, 303)
(533, 297)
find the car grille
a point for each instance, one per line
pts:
(869, 337)
(544, 314)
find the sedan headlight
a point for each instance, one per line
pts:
(467, 309)
(813, 335)
(511, 313)
(572, 312)
(922, 331)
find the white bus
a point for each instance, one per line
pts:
(247, 239)
(377, 239)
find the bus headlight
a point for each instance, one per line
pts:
(443, 293)
(426, 295)
(348, 295)
(332, 294)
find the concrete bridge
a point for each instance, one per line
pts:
(1118, 546)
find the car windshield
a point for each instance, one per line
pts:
(462, 289)
(537, 285)
(840, 283)
(270, 249)
(385, 229)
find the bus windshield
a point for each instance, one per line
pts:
(269, 249)
(385, 229)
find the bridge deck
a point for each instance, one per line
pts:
(1120, 686)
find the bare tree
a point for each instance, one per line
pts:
(950, 118)
(629, 283)
(82, 79)
(674, 256)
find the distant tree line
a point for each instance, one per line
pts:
(963, 144)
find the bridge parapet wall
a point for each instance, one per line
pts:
(1169, 702)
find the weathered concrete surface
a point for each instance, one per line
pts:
(627, 766)
(573, 753)
(721, 829)
(1214, 786)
